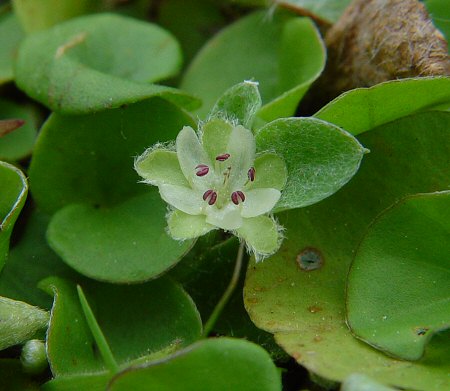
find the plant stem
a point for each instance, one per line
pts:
(228, 292)
(99, 338)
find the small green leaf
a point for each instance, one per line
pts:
(14, 192)
(152, 317)
(362, 109)
(184, 226)
(410, 241)
(126, 243)
(261, 235)
(70, 69)
(19, 322)
(76, 156)
(330, 10)
(240, 103)
(19, 143)
(320, 158)
(10, 36)
(287, 55)
(41, 14)
(219, 364)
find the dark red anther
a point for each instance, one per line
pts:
(237, 196)
(251, 174)
(223, 157)
(202, 170)
(210, 196)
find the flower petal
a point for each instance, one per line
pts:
(270, 171)
(184, 226)
(160, 166)
(228, 218)
(215, 136)
(261, 234)
(182, 198)
(190, 154)
(259, 201)
(241, 147)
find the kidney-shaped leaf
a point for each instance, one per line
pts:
(213, 364)
(125, 243)
(284, 54)
(136, 321)
(14, 188)
(98, 62)
(362, 109)
(398, 291)
(299, 293)
(89, 158)
(320, 158)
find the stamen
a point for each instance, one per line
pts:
(202, 170)
(237, 196)
(210, 196)
(251, 174)
(223, 157)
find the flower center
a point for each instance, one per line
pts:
(219, 195)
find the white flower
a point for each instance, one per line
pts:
(215, 181)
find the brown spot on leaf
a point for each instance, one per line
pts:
(317, 338)
(310, 259)
(421, 330)
(314, 308)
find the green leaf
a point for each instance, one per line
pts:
(98, 62)
(440, 13)
(41, 14)
(19, 143)
(91, 382)
(126, 243)
(320, 158)
(398, 312)
(19, 322)
(286, 54)
(205, 18)
(30, 261)
(240, 103)
(299, 293)
(14, 192)
(76, 157)
(213, 364)
(152, 317)
(362, 109)
(10, 36)
(327, 11)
